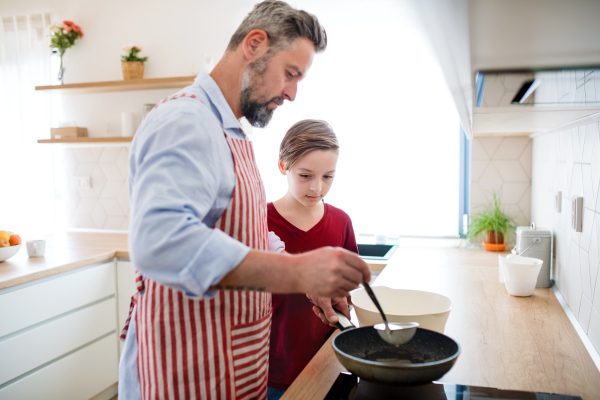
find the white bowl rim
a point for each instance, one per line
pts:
(406, 290)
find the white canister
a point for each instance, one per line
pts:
(127, 124)
(542, 249)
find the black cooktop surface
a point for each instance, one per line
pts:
(350, 387)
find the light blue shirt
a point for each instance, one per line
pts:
(181, 179)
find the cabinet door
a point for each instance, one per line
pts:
(78, 376)
(125, 289)
(38, 302)
(30, 348)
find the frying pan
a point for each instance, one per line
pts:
(427, 357)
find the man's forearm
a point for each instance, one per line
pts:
(262, 271)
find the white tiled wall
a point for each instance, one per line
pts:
(106, 204)
(569, 161)
(502, 165)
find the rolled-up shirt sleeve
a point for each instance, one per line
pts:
(174, 183)
(276, 245)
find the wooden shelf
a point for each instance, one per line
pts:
(116, 139)
(119, 86)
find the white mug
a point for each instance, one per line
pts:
(36, 248)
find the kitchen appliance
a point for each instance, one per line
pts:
(540, 240)
(350, 387)
(425, 358)
(430, 310)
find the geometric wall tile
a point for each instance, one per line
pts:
(593, 258)
(478, 151)
(491, 180)
(588, 143)
(109, 155)
(585, 313)
(491, 144)
(587, 187)
(123, 199)
(594, 329)
(123, 161)
(511, 148)
(112, 208)
(512, 192)
(525, 204)
(98, 216)
(525, 159)
(114, 223)
(477, 168)
(586, 284)
(111, 189)
(84, 155)
(111, 172)
(575, 145)
(511, 171)
(596, 165)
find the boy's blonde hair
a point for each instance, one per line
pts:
(305, 136)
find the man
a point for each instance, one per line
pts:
(201, 320)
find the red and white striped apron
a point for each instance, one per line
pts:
(212, 348)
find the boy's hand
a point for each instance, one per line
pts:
(328, 315)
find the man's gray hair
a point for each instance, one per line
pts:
(283, 25)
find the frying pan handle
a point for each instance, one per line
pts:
(343, 322)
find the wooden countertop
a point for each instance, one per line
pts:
(519, 343)
(64, 251)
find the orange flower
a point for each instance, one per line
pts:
(67, 27)
(76, 28)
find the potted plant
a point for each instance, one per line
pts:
(494, 223)
(131, 64)
(61, 38)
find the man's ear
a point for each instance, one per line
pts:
(255, 44)
(281, 166)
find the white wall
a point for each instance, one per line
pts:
(569, 161)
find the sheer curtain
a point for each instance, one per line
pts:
(26, 184)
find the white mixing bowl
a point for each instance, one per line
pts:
(430, 310)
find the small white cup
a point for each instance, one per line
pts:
(36, 248)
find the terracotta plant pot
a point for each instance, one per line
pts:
(132, 69)
(494, 237)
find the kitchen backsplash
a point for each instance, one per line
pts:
(502, 165)
(105, 205)
(569, 162)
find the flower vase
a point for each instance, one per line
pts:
(132, 69)
(61, 70)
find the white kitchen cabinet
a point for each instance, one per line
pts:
(58, 336)
(125, 289)
(471, 36)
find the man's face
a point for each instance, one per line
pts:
(270, 80)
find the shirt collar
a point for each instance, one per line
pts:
(216, 97)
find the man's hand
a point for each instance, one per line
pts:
(328, 315)
(330, 272)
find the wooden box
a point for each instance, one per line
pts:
(70, 132)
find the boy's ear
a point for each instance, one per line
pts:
(281, 166)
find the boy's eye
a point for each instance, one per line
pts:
(305, 176)
(328, 176)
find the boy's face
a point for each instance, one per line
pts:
(310, 178)
(267, 84)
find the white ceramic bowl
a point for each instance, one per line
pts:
(8, 252)
(430, 310)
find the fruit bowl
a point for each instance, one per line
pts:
(8, 252)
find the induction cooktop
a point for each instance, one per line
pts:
(350, 387)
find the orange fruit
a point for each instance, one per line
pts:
(4, 235)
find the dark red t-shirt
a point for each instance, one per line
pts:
(296, 332)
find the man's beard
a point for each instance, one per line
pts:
(256, 112)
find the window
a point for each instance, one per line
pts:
(379, 86)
